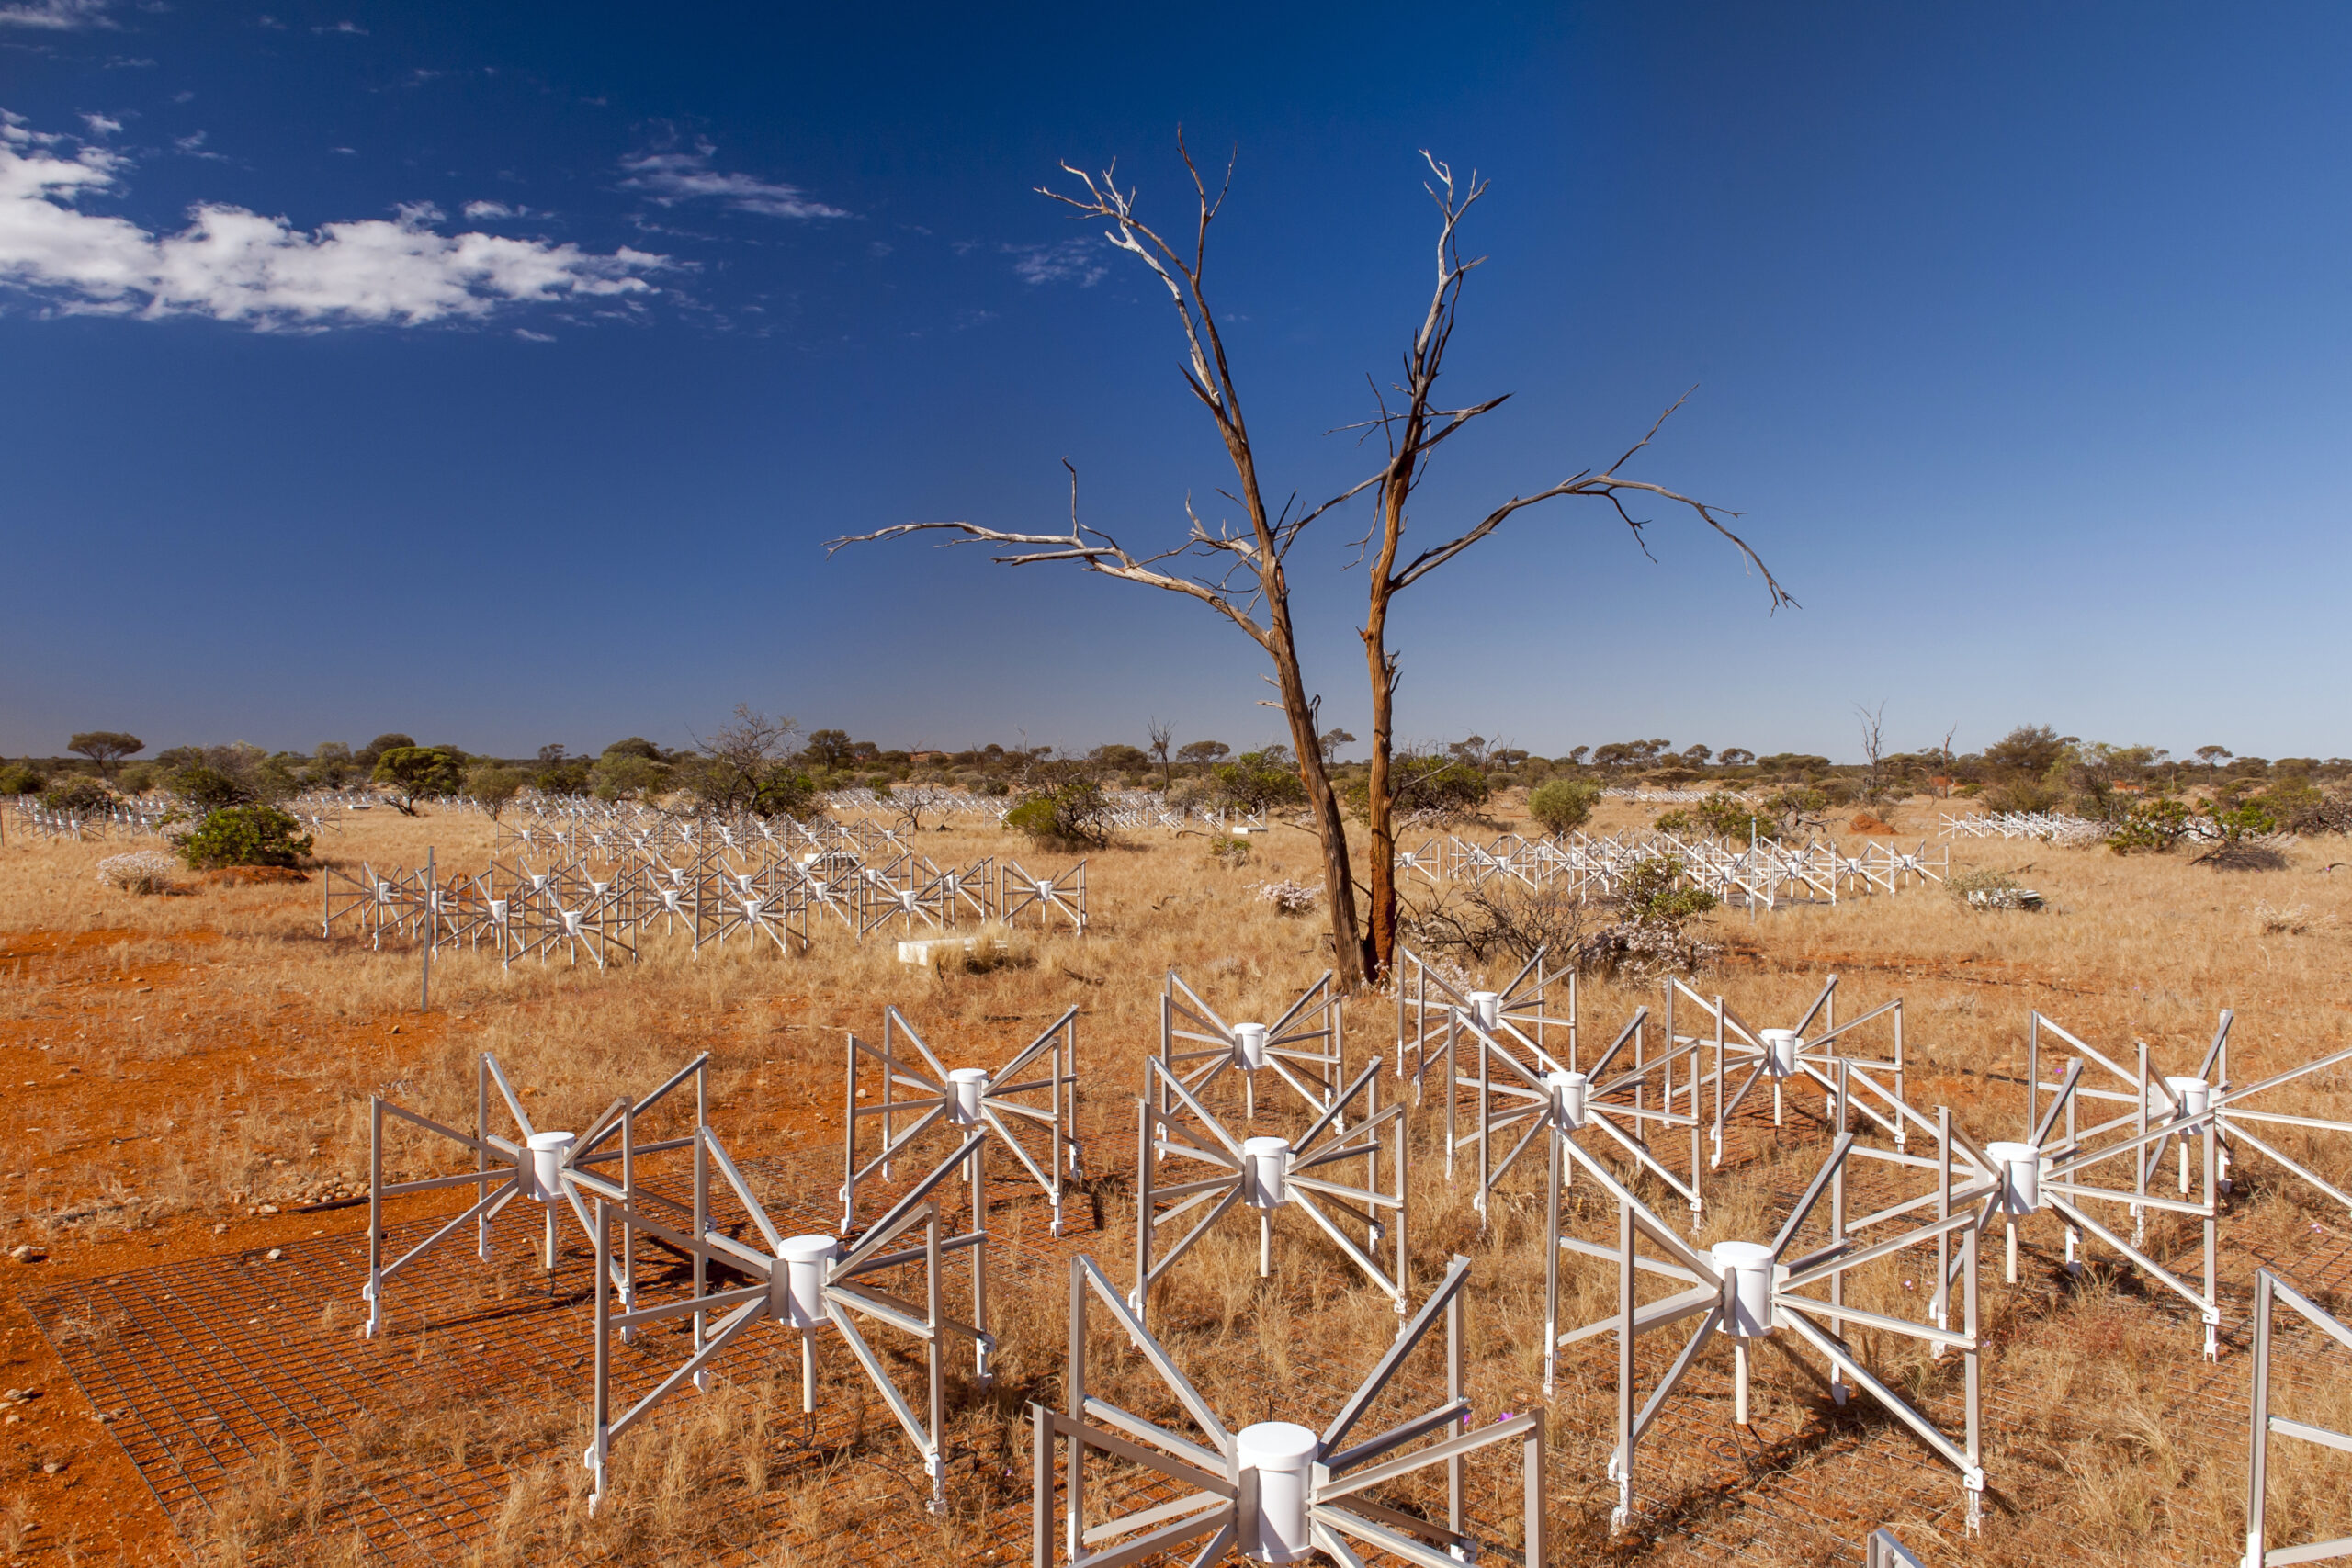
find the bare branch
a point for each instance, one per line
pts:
(1106, 557)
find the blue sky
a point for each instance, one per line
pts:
(496, 374)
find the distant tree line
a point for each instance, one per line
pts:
(759, 763)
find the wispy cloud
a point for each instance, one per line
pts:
(669, 178)
(233, 264)
(57, 16)
(354, 28)
(1079, 261)
(101, 125)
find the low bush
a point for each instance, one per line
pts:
(1072, 815)
(79, 794)
(207, 788)
(1563, 806)
(245, 835)
(1287, 897)
(2151, 826)
(1722, 815)
(1986, 888)
(142, 871)
(21, 778)
(1257, 781)
(1650, 934)
(2025, 793)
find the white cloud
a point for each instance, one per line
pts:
(100, 125)
(669, 178)
(488, 209)
(528, 335)
(56, 16)
(352, 27)
(237, 265)
(1079, 261)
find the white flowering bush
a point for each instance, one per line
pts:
(1287, 897)
(143, 871)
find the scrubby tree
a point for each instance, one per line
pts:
(1563, 806)
(493, 786)
(1202, 753)
(368, 755)
(107, 748)
(2031, 748)
(626, 776)
(406, 775)
(1161, 736)
(742, 765)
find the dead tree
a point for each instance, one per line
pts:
(1413, 429)
(1872, 721)
(1243, 577)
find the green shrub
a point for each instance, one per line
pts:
(2151, 825)
(784, 794)
(1649, 895)
(207, 788)
(1069, 815)
(492, 786)
(245, 835)
(2246, 819)
(2024, 793)
(1256, 781)
(1650, 933)
(1722, 815)
(21, 778)
(79, 794)
(1564, 805)
(1423, 782)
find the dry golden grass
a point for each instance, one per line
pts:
(195, 1057)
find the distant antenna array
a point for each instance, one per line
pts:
(598, 904)
(2044, 826)
(1763, 874)
(1277, 1491)
(1031, 1100)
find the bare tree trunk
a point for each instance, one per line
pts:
(1380, 795)
(1380, 805)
